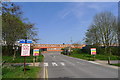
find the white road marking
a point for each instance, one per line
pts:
(62, 64)
(93, 62)
(54, 64)
(45, 64)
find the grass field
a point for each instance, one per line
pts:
(116, 64)
(20, 59)
(90, 57)
(17, 72)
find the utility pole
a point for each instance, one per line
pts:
(71, 44)
(71, 40)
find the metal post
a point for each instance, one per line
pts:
(24, 64)
(25, 58)
(35, 58)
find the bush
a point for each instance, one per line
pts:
(76, 50)
(113, 50)
(7, 50)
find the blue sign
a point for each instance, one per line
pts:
(23, 41)
(29, 41)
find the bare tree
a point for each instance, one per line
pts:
(102, 31)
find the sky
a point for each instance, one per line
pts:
(61, 22)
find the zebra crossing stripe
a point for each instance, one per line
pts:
(45, 64)
(54, 64)
(62, 64)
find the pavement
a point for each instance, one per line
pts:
(60, 66)
(105, 62)
(21, 64)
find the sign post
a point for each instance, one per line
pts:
(93, 52)
(24, 64)
(35, 53)
(25, 51)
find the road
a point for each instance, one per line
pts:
(60, 66)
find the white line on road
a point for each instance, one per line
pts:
(93, 62)
(45, 64)
(62, 64)
(54, 64)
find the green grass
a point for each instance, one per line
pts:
(82, 56)
(17, 72)
(116, 64)
(105, 57)
(90, 57)
(20, 59)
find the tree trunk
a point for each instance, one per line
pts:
(109, 60)
(14, 55)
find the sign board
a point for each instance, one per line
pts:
(35, 52)
(25, 50)
(23, 41)
(93, 51)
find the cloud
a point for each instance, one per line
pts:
(65, 14)
(81, 9)
(71, 9)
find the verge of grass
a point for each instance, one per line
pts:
(116, 64)
(105, 57)
(20, 59)
(17, 72)
(82, 56)
(91, 57)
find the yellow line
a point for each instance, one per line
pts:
(46, 73)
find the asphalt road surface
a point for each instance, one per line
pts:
(61, 66)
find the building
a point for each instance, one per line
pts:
(55, 47)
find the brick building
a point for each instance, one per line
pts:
(55, 47)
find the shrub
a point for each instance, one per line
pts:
(76, 50)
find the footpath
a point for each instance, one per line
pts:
(105, 63)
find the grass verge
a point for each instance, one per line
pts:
(116, 64)
(91, 57)
(17, 72)
(20, 59)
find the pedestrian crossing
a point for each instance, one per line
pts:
(66, 63)
(54, 64)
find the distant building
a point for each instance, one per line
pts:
(55, 47)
